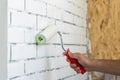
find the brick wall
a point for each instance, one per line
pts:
(28, 61)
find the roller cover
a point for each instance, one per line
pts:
(46, 35)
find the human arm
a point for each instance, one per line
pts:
(105, 66)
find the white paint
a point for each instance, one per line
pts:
(13, 4)
(23, 51)
(54, 12)
(15, 35)
(35, 65)
(28, 17)
(23, 19)
(36, 7)
(15, 69)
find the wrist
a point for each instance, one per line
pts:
(94, 64)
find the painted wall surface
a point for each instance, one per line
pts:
(28, 61)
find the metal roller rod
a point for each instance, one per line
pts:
(61, 39)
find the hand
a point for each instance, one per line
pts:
(83, 60)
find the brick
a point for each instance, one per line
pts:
(54, 12)
(35, 6)
(48, 1)
(16, 4)
(78, 21)
(41, 50)
(83, 4)
(80, 11)
(51, 75)
(54, 39)
(58, 62)
(65, 5)
(68, 6)
(74, 39)
(69, 39)
(67, 28)
(15, 69)
(23, 19)
(15, 35)
(78, 77)
(53, 63)
(50, 50)
(35, 65)
(57, 3)
(23, 51)
(59, 50)
(36, 76)
(84, 23)
(43, 22)
(30, 36)
(67, 17)
(47, 50)
(76, 10)
(80, 49)
(64, 72)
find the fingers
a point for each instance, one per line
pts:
(75, 55)
(75, 67)
(77, 70)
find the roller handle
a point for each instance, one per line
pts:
(74, 61)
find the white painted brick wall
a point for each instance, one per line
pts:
(28, 61)
(37, 76)
(35, 65)
(68, 28)
(65, 72)
(15, 35)
(78, 21)
(41, 50)
(67, 17)
(80, 49)
(54, 12)
(60, 62)
(16, 4)
(15, 69)
(23, 51)
(23, 19)
(74, 39)
(36, 7)
(43, 22)
(30, 36)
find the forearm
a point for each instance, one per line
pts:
(107, 66)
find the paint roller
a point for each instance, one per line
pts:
(45, 35)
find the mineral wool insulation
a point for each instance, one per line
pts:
(104, 28)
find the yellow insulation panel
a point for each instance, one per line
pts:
(104, 28)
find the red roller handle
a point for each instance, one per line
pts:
(74, 61)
